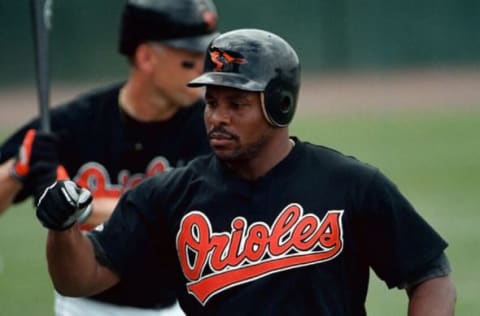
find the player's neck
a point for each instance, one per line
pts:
(143, 104)
(271, 155)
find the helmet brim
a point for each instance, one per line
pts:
(195, 43)
(226, 79)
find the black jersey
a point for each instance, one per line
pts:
(298, 241)
(109, 152)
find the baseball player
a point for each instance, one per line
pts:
(110, 139)
(267, 224)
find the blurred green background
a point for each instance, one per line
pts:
(328, 35)
(428, 146)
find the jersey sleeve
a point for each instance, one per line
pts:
(133, 241)
(398, 241)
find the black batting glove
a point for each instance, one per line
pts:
(37, 161)
(63, 204)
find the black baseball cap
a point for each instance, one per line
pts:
(184, 24)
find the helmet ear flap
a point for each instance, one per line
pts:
(286, 103)
(279, 105)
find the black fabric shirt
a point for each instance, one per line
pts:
(298, 241)
(109, 152)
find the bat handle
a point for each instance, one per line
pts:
(41, 13)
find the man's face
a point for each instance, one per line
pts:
(173, 69)
(236, 127)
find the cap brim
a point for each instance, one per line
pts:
(194, 44)
(226, 79)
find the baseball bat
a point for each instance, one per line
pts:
(41, 13)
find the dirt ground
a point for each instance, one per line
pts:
(456, 89)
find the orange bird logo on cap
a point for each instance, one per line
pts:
(220, 58)
(211, 19)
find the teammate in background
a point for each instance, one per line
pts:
(110, 139)
(267, 224)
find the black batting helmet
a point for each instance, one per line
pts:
(255, 60)
(185, 24)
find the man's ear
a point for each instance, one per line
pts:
(145, 58)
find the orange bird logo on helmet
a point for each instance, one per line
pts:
(220, 58)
